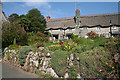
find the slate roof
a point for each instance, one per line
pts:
(87, 20)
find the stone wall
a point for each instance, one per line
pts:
(39, 61)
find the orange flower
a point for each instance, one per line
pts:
(106, 63)
(73, 65)
(115, 60)
(110, 65)
(114, 57)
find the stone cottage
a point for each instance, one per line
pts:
(62, 28)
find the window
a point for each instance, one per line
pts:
(85, 28)
(61, 30)
(70, 29)
(114, 27)
(50, 30)
(98, 28)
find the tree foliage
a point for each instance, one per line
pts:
(13, 17)
(11, 32)
(38, 22)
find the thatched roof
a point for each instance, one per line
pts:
(87, 20)
(61, 23)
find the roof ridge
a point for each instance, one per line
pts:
(87, 15)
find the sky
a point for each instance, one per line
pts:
(60, 9)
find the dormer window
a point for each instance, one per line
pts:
(114, 27)
(85, 28)
(98, 28)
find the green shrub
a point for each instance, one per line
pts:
(14, 47)
(22, 54)
(99, 41)
(59, 62)
(35, 38)
(10, 32)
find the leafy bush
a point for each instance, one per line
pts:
(82, 41)
(11, 32)
(92, 66)
(14, 47)
(22, 54)
(35, 38)
(59, 62)
(100, 41)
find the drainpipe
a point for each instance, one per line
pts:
(110, 29)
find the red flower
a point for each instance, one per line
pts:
(92, 47)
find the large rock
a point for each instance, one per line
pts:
(66, 75)
(72, 56)
(51, 72)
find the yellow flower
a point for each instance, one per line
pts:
(69, 47)
(100, 70)
(64, 48)
(112, 67)
(75, 44)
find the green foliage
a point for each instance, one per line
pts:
(16, 47)
(100, 41)
(24, 23)
(92, 65)
(59, 62)
(82, 41)
(35, 38)
(43, 75)
(13, 17)
(38, 22)
(72, 72)
(12, 31)
(14, 42)
(22, 54)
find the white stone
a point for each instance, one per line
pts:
(66, 75)
(48, 54)
(72, 56)
(78, 76)
(36, 63)
(52, 72)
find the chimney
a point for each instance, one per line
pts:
(77, 17)
(48, 17)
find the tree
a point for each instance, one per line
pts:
(38, 22)
(13, 17)
(10, 32)
(24, 23)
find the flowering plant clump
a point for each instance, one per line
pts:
(65, 46)
(73, 73)
(92, 35)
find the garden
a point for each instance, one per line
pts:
(26, 45)
(95, 57)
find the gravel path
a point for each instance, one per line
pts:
(9, 71)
